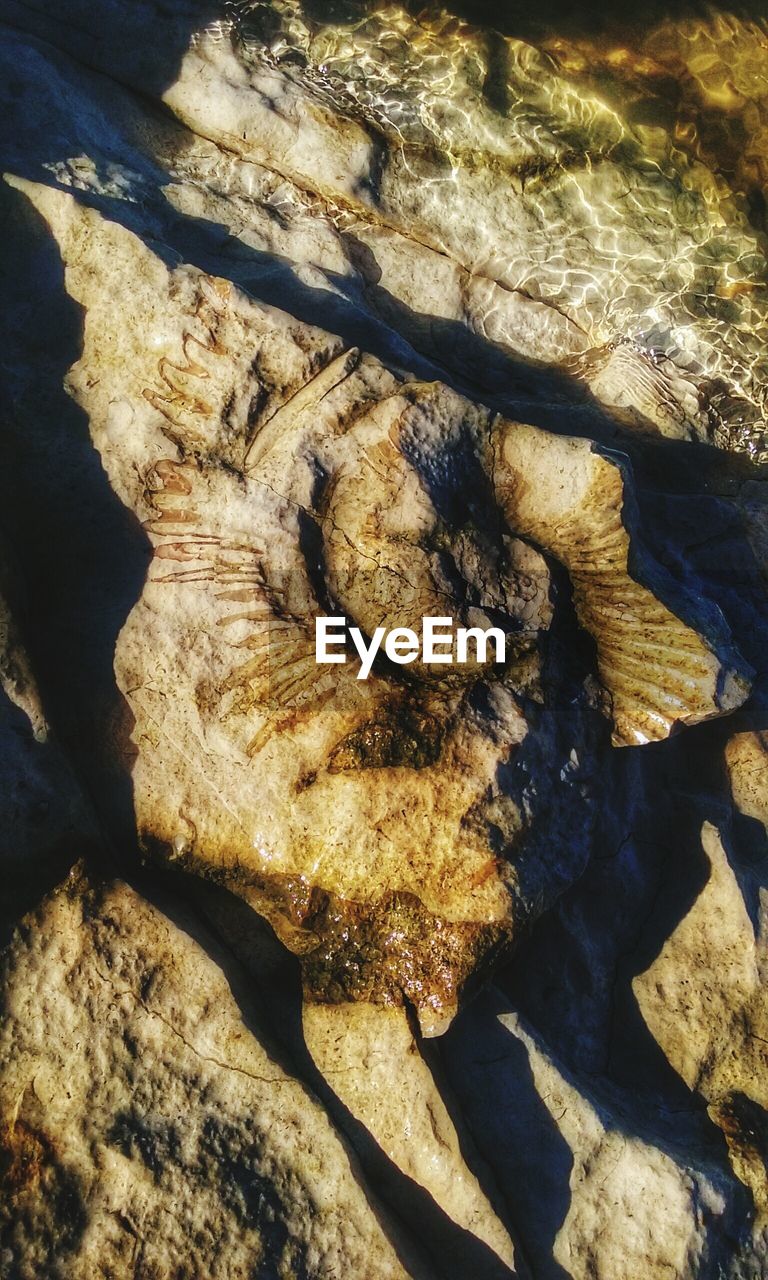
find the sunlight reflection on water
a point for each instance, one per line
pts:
(619, 175)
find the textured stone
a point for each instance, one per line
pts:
(279, 477)
(565, 1156)
(317, 309)
(703, 999)
(145, 1127)
(360, 1049)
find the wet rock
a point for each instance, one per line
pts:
(530, 228)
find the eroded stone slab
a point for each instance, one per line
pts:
(129, 1083)
(396, 831)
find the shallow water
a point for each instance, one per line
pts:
(613, 169)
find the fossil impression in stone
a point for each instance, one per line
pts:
(397, 832)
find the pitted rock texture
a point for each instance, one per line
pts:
(145, 1127)
(279, 480)
(367, 311)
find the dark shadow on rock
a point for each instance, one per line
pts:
(635, 1059)
(265, 981)
(747, 1125)
(572, 976)
(703, 539)
(44, 823)
(512, 1127)
(141, 42)
(82, 554)
(746, 846)
(477, 1149)
(533, 1161)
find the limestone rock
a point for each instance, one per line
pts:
(279, 477)
(358, 309)
(592, 1198)
(359, 1048)
(704, 1001)
(746, 758)
(145, 1126)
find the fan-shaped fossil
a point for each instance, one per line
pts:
(395, 831)
(388, 805)
(658, 671)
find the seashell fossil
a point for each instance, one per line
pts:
(409, 510)
(657, 670)
(399, 831)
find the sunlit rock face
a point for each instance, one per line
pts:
(169, 1100)
(398, 828)
(359, 311)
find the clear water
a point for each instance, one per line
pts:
(615, 169)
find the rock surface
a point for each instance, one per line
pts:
(145, 1122)
(357, 310)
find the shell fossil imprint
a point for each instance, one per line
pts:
(399, 831)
